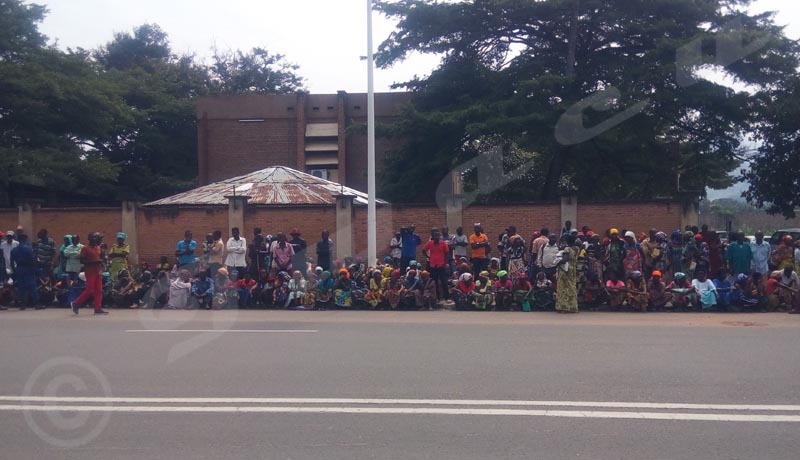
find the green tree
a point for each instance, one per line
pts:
(548, 76)
(50, 102)
(156, 148)
(255, 72)
(774, 173)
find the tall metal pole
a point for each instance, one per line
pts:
(372, 244)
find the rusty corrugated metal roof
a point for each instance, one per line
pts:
(277, 186)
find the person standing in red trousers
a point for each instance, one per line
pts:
(93, 270)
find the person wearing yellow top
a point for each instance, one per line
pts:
(118, 254)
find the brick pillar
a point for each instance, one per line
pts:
(341, 101)
(236, 209)
(455, 212)
(26, 219)
(344, 225)
(569, 210)
(300, 118)
(202, 149)
(129, 211)
(690, 215)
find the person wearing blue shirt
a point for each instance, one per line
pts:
(410, 242)
(185, 252)
(23, 262)
(203, 290)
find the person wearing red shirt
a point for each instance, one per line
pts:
(437, 251)
(93, 270)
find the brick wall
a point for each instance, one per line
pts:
(637, 217)
(236, 148)
(311, 221)
(9, 219)
(60, 222)
(160, 229)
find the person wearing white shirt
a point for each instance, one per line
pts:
(705, 289)
(761, 253)
(7, 246)
(236, 249)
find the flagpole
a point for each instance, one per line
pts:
(372, 245)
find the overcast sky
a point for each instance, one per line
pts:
(325, 37)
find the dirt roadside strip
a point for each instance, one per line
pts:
(727, 320)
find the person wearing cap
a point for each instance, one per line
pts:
(299, 245)
(479, 243)
(739, 255)
(615, 255)
(118, 254)
(8, 245)
(93, 270)
(23, 262)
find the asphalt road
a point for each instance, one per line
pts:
(433, 385)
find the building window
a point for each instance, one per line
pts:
(357, 107)
(316, 109)
(290, 109)
(251, 120)
(330, 107)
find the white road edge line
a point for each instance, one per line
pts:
(416, 411)
(437, 402)
(250, 331)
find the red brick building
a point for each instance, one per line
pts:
(314, 133)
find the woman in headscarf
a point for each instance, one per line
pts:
(516, 257)
(394, 286)
(341, 289)
(637, 292)
(675, 253)
(503, 291)
(633, 255)
(410, 282)
(324, 290)
(484, 297)
(62, 259)
(783, 254)
(425, 292)
(566, 288)
(374, 295)
(281, 290)
(464, 293)
(118, 254)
